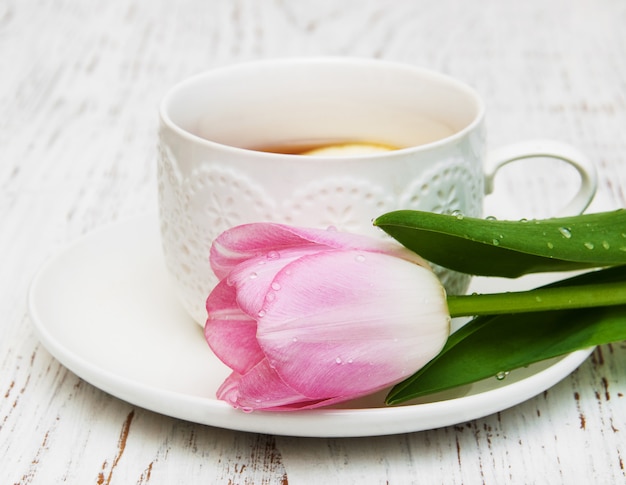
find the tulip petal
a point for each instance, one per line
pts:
(230, 333)
(248, 241)
(253, 278)
(348, 323)
(259, 388)
(262, 389)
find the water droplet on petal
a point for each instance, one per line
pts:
(338, 360)
(273, 255)
(276, 286)
(271, 296)
(502, 375)
(247, 409)
(253, 276)
(331, 229)
(350, 361)
(261, 313)
(295, 339)
(589, 245)
(360, 258)
(565, 232)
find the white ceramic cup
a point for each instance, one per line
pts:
(211, 175)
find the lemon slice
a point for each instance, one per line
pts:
(348, 149)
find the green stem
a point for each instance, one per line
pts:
(540, 299)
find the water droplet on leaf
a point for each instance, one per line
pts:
(606, 245)
(565, 232)
(589, 245)
(502, 375)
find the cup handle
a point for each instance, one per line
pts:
(551, 149)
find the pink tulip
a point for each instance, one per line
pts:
(307, 318)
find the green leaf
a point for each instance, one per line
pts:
(511, 248)
(488, 345)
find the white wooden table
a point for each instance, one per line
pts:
(80, 82)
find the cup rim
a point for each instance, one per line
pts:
(168, 122)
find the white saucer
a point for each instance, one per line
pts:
(104, 308)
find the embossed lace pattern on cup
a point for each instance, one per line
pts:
(338, 202)
(449, 188)
(197, 208)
